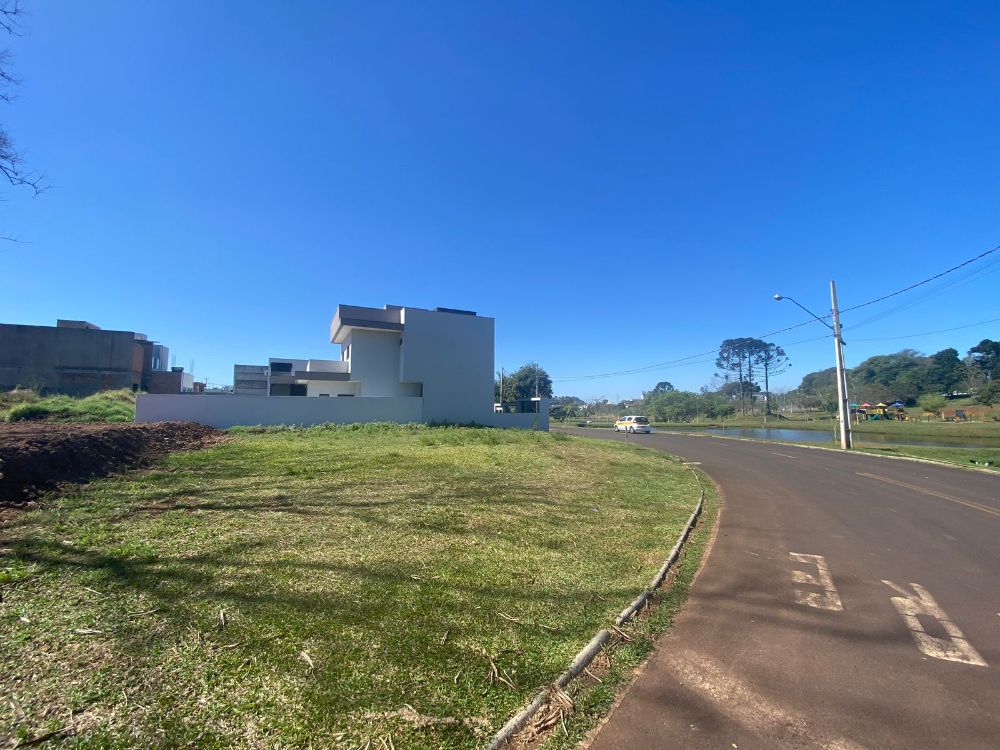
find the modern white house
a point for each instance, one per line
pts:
(400, 364)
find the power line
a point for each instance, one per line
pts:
(921, 283)
(970, 276)
(695, 359)
(931, 333)
(663, 365)
(678, 362)
(673, 362)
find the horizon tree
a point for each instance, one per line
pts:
(732, 359)
(986, 356)
(742, 356)
(524, 383)
(774, 361)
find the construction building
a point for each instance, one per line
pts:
(78, 358)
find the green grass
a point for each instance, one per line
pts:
(594, 700)
(106, 406)
(361, 572)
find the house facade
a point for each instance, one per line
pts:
(396, 363)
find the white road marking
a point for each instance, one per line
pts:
(785, 455)
(740, 703)
(955, 648)
(826, 599)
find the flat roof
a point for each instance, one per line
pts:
(388, 318)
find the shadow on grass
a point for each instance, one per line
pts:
(149, 574)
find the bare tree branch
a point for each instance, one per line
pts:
(12, 163)
(10, 17)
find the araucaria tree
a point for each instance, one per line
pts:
(732, 360)
(745, 358)
(773, 360)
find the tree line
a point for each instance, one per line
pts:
(742, 383)
(909, 376)
(747, 365)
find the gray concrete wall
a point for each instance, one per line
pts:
(375, 364)
(452, 356)
(227, 411)
(517, 421)
(76, 361)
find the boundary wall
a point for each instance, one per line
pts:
(227, 410)
(527, 421)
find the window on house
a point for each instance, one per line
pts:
(281, 367)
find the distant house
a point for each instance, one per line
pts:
(78, 358)
(400, 364)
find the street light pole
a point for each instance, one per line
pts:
(838, 342)
(843, 408)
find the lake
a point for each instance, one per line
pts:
(822, 436)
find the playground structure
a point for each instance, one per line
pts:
(895, 412)
(880, 411)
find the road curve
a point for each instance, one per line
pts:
(849, 601)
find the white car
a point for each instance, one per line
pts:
(633, 424)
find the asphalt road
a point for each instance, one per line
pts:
(848, 601)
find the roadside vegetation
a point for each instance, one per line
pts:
(325, 587)
(594, 699)
(106, 406)
(987, 458)
(930, 386)
(982, 457)
(930, 428)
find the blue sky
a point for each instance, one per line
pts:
(618, 184)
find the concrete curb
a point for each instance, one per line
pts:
(586, 655)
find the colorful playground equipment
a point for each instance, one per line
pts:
(881, 410)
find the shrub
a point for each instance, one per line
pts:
(27, 411)
(106, 406)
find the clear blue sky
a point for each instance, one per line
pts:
(618, 184)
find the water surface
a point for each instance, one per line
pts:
(822, 436)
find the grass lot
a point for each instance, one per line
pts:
(416, 582)
(106, 406)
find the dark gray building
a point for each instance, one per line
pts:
(76, 358)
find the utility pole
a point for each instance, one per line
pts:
(500, 397)
(844, 410)
(838, 341)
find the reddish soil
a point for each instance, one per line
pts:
(39, 456)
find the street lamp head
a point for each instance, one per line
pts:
(778, 298)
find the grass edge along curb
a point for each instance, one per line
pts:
(586, 655)
(854, 451)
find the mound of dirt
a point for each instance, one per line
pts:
(35, 457)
